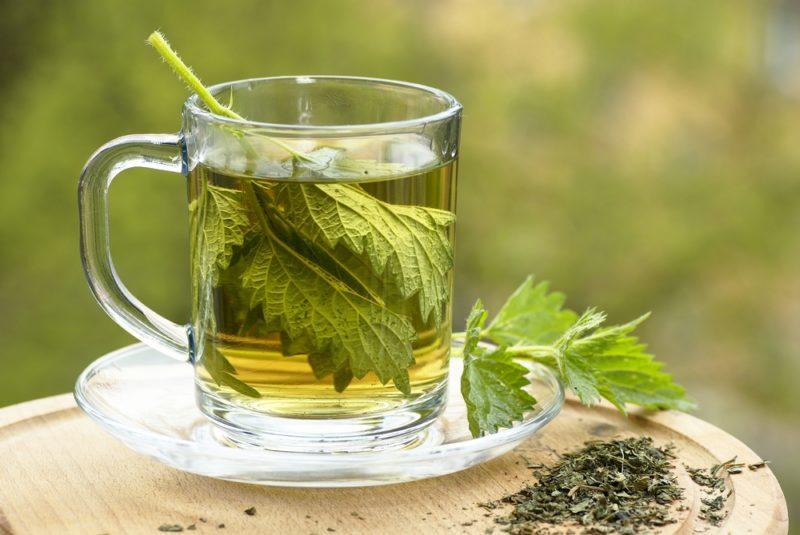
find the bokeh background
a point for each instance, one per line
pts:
(639, 155)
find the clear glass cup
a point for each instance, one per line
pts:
(322, 240)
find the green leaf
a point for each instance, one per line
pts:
(323, 365)
(223, 373)
(492, 384)
(609, 362)
(575, 370)
(493, 389)
(327, 163)
(591, 360)
(307, 303)
(531, 315)
(626, 372)
(408, 246)
(351, 269)
(475, 321)
(224, 225)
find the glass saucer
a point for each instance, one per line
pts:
(146, 400)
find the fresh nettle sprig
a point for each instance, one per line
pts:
(592, 360)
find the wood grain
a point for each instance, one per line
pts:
(61, 473)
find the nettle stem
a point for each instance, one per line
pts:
(185, 73)
(533, 352)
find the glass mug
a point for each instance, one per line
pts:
(322, 233)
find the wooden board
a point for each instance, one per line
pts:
(61, 473)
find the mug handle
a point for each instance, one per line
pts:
(153, 151)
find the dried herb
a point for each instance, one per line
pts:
(730, 466)
(715, 492)
(618, 486)
(758, 465)
(250, 511)
(171, 528)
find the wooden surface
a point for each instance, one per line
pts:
(61, 473)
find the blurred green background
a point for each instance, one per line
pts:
(640, 155)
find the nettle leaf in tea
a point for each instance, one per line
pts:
(225, 224)
(297, 253)
(593, 361)
(408, 246)
(224, 373)
(303, 300)
(348, 334)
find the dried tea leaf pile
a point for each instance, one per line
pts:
(620, 486)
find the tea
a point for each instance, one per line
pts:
(317, 297)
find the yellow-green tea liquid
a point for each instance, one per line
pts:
(287, 384)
